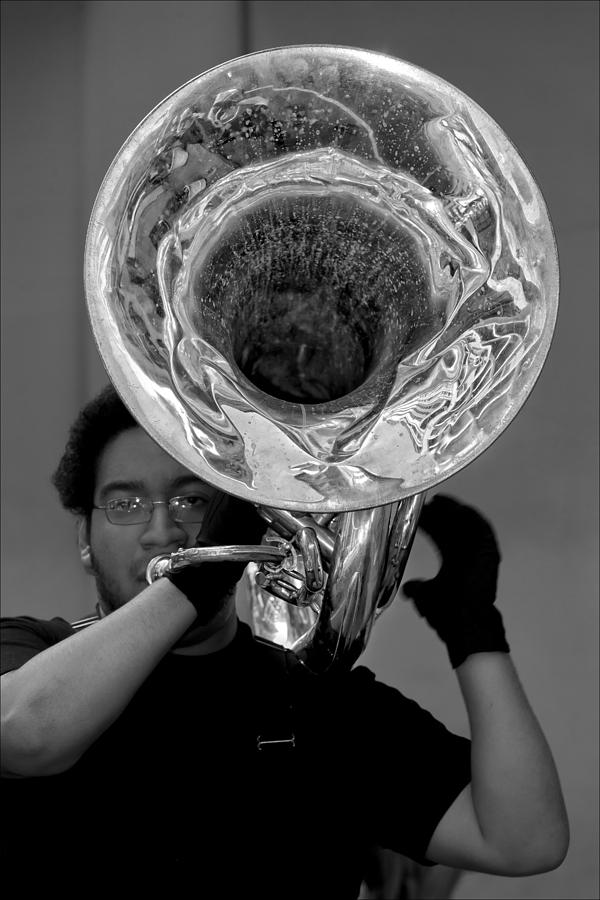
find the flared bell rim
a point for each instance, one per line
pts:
(352, 485)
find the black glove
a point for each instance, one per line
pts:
(228, 520)
(459, 602)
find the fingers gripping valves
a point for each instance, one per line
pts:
(290, 559)
(300, 577)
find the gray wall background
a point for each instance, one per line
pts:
(79, 76)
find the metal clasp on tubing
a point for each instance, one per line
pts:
(281, 743)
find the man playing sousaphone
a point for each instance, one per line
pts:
(322, 281)
(132, 747)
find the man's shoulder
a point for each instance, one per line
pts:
(22, 637)
(275, 656)
(349, 681)
(55, 627)
(347, 689)
(356, 678)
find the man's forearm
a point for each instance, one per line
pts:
(58, 703)
(515, 787)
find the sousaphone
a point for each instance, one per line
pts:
(324, 281)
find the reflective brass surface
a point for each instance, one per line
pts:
(324, 280)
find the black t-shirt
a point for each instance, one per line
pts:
(175, 794)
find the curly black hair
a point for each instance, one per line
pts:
(99, 421)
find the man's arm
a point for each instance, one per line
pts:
(60, 701)
(511, 819)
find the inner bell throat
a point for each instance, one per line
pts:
(310, 295)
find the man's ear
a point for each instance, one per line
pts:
(83, 540)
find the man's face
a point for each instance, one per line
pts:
(132, 465)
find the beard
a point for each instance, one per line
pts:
(108, 589)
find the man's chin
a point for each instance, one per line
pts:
(192, 636)
(200, 631)
(197, 634)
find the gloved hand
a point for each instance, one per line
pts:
(459, 602)
(228, 520)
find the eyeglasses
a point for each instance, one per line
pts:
(139, 510)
